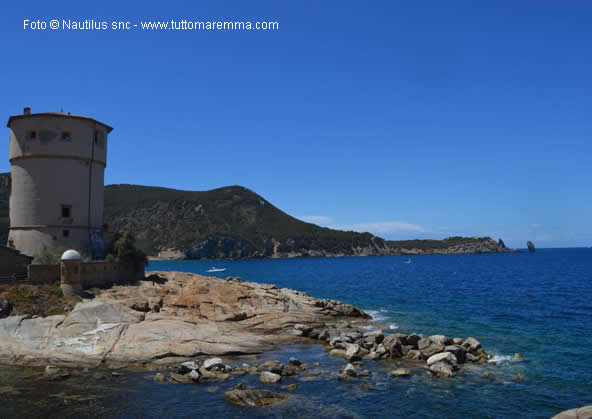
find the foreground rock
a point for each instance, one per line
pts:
(189, 315)
(443, 364)
(253, 397)
(54, 373)
(580, 413)
(269, 377)
(443, 355)
(5, 308)
(401, 372)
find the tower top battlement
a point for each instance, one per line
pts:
(27, 114)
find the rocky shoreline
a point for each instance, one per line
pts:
(184, 324)
(167, 318)
(230, 248)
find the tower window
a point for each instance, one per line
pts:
(31, 135)
(66, 211)
(66, 136)
(66, 233)
(100, 138)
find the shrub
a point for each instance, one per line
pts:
(123, 249)
(49, 256)
(57, 290)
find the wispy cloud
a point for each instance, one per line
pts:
(316, 219)
(544, 237)
(377, 227)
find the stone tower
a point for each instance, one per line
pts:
(57, 170)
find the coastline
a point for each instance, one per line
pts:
(173, 317)
(176, 255)
(500, 372)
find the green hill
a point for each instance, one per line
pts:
(227, 222)
(235, 222)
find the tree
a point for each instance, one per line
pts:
(122, 249)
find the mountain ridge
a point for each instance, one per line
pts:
(236, 222)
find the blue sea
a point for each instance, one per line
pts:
(538, 304)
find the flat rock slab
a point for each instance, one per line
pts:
(193, 315)
(584, 412)
(253, 397)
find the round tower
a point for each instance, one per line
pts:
(57, 171)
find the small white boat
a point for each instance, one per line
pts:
(408, 261)
(214, 269)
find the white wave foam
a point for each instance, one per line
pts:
(369, 328)
(501, 358)
(378, 315)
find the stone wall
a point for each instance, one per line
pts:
(92, 274)
(100, 274)
(13, 264)
(44, 273)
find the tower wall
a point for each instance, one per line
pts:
(57, 175)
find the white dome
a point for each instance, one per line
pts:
(71, 255)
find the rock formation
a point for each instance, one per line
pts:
(188, 315)
(579, 413)
(253, 397)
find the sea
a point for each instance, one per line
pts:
(536, 304)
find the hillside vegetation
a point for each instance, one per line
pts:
(226, 222)
(235, 222)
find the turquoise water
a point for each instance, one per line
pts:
(537, 304)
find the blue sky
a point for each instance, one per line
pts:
(424, 119)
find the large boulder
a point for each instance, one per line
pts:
(441, 340)
(5, 308)
(429, 347)
(405, 349)
(352, 352)
(423, 343)
(584, 412)
(194, 375)
(392, 343)
(372, 338)
(471, 344)
(401, 372)
(181, 379)
(443, 357)
(337, 342)
(337, 352)
(273, 366)
(442, 369)
(458, 351)
(414, 355)
(412, 339)
(253, 397)
(212, 363)
(443, 364)
(348, 372)
(269, 377)
(188, 367)
(54, 373)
